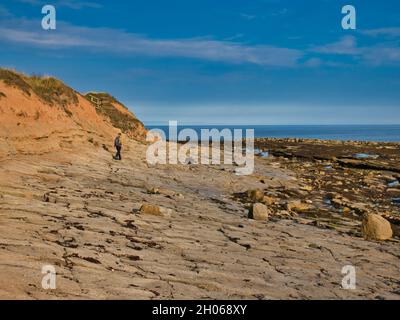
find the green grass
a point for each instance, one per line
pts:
(52, 91)
(13, 79)
(48, 89)
(125, 122)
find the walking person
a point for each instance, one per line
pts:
(118, 146)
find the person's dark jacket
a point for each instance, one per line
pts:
(117, 142)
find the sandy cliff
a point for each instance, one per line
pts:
(43, 114)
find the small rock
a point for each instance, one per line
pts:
(153, 190)
(346, 210)
(392, 192)
(268, 200)
(48, 198)
(283, 213)
(259, 212)
(297, 206)
(255, 195)
(154, 210)
(375, 227)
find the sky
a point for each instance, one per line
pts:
(218, 62)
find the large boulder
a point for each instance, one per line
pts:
(259, 212)
(375, 227)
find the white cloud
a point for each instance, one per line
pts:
(125, 43)
(280, 12)
(389, 32)
(313, 62)
(248, 16)
(376, 55)
(346, 45)
(381, 55)
(119, 42)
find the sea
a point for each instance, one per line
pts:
(378, 133)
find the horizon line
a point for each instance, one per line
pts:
(165, 123)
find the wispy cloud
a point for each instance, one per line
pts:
(233, 51)
(248, 16)
(346, 45)
(313, 62)
(280, 12)
(125, 43)
(387, 32)
(381, 55)
(376, 55)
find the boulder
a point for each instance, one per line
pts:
(375, 227)
(259, 212)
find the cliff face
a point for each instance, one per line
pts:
(40, 114)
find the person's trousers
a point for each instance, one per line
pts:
(118, 155)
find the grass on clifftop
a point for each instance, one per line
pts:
(15, 80)
(50, 90)
(124, 121)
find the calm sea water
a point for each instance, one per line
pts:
(381, 133)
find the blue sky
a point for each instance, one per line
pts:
(218, 62)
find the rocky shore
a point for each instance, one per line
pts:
(127, 230)
(339, 181)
